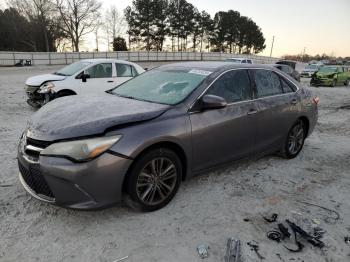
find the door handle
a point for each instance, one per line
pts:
(110, 81)
(294, 102)
(252, 112)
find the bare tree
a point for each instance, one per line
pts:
(115, 24)
(79, 18)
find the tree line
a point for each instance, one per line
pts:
(307, 58)
(152, 25)
(152, 22)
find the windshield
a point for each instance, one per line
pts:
(72, 68)
(164, 86)
(328, 70)
(311, 67)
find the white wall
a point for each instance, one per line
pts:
(53, 58)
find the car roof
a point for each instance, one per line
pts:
(101, 60)
(238, 58)
(213, 66)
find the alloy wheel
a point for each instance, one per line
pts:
(296, 139)
(156, 181)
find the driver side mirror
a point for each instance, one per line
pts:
(212, 102)
(84, 76)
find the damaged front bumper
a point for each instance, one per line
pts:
(321, 82)
(88, 185)
(37, 99)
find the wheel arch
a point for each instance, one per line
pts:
(162, 144)
(306, 123)
(65, 91)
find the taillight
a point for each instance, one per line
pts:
(316, 100)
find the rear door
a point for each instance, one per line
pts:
(342, 76)
(124, 72)
(221, 135)
(277, 108)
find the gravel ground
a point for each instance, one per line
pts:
(207, 209)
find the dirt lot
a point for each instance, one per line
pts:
(207, 209)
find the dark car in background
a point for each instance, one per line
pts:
(164, 126)
(289, 71)
(331, 76)
(290, 63)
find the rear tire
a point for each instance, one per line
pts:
(154, 179)
(295, 140)
(347, 82)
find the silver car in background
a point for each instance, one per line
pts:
(165, 126)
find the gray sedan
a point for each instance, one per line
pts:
(146, 136)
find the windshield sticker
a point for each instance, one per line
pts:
(200, 72)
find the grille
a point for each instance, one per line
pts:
(35, 180)
(36, 143)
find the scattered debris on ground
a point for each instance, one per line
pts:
(254, 246)
(203, 251)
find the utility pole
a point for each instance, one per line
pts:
(273, 41)
(302, 59)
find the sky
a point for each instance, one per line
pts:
(319, 26)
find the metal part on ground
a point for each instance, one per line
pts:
(284, 230)
(274, 235)
(312, 240)
(203, 251)
(272, 219)
(254, 246)
(329, 220)
(233, 250)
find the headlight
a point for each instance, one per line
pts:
(46, 88)
(81, 150)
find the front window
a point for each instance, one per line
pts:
(233, 86)
(328, 70)
(103, 70)
(72, 68)
(164, 86)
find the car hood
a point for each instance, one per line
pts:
(79, 116)
(40, 79)
(319, 74)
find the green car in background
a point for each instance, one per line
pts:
(331, 76)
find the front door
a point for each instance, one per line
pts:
(225, 134)
(101, 78)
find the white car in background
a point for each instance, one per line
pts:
(239, 60)
(90, 76)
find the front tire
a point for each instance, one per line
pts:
(334, 83)
(295, 140)
(154, 179)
